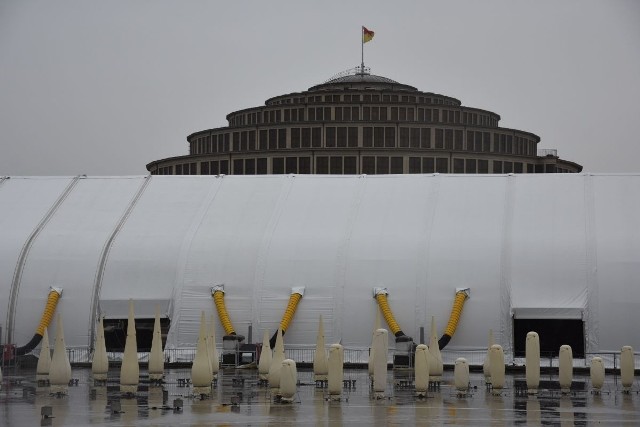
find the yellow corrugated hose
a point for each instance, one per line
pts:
(386, 312)
(456, 311)
(49, 309)
(294, 299)
(218, 298)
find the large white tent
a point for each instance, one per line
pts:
(543, 246)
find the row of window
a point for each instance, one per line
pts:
(364, 113)
(349, 165)
(348, 97)
(364, 137)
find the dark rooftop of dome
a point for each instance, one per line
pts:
(354, 78)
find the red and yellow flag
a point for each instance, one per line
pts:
(367, 35)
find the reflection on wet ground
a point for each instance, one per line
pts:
(237, 399)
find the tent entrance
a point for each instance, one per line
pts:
(115, 333)
(555, 327)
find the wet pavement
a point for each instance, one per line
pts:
(238, 399)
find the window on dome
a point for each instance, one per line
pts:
(425, 138)
(483, 166)
(439, 139)
(238, 167)
(306, 138)
(304, 165)
(250, 166)
(350, 165)
(448, 139)
(404, 138)
(261, 166)
(341, 137)
(458, 165)
(322, 165)
(517, 167)
(390, 137)
(367, 136)
(470, 166)
(442, 165)
(295, 137)
(353, 137)
(335, 165)
(415, 165)
(507, 167)
(330, 141)
(277, 165)
(382, 165)
(291, 165)
(428, 165)
(378, 137)
(497, 166)
(316, 137)
(415, 138)
(224, 167)
(457, 140)
(368, 165)
(397, 166)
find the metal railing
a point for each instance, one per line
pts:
(356, 356)
(542, 152)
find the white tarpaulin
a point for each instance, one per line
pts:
(528, 246)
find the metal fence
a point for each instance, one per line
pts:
(357, 356)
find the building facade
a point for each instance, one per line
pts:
(359, 123)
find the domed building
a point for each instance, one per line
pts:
(360, 123)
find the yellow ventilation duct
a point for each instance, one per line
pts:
(380, 295)
(217, 292)
(289, 312)
(458, 303)
(45, 320)
(49, 309)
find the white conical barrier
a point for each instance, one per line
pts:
(100, 362)
(44, 361)
(335, 371)
(597, 373)
(565, 372)
(213, 351)
(436, 366)
(486, 366)
(532, 362)
(201, 375)
(266, 356)
(381, 349)
(60, 372)
(461, 375)
(421, 370)
(496, 359)
(276, 364)
(130, 370)
(320, 363)
(156, 356)
(627, 367)
(288, 380)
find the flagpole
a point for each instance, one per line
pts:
(362, 45)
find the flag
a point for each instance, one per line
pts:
(367, 35)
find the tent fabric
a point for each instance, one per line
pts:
(552, 246)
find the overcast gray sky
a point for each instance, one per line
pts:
(104, 87)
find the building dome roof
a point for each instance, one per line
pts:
(360, 80)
